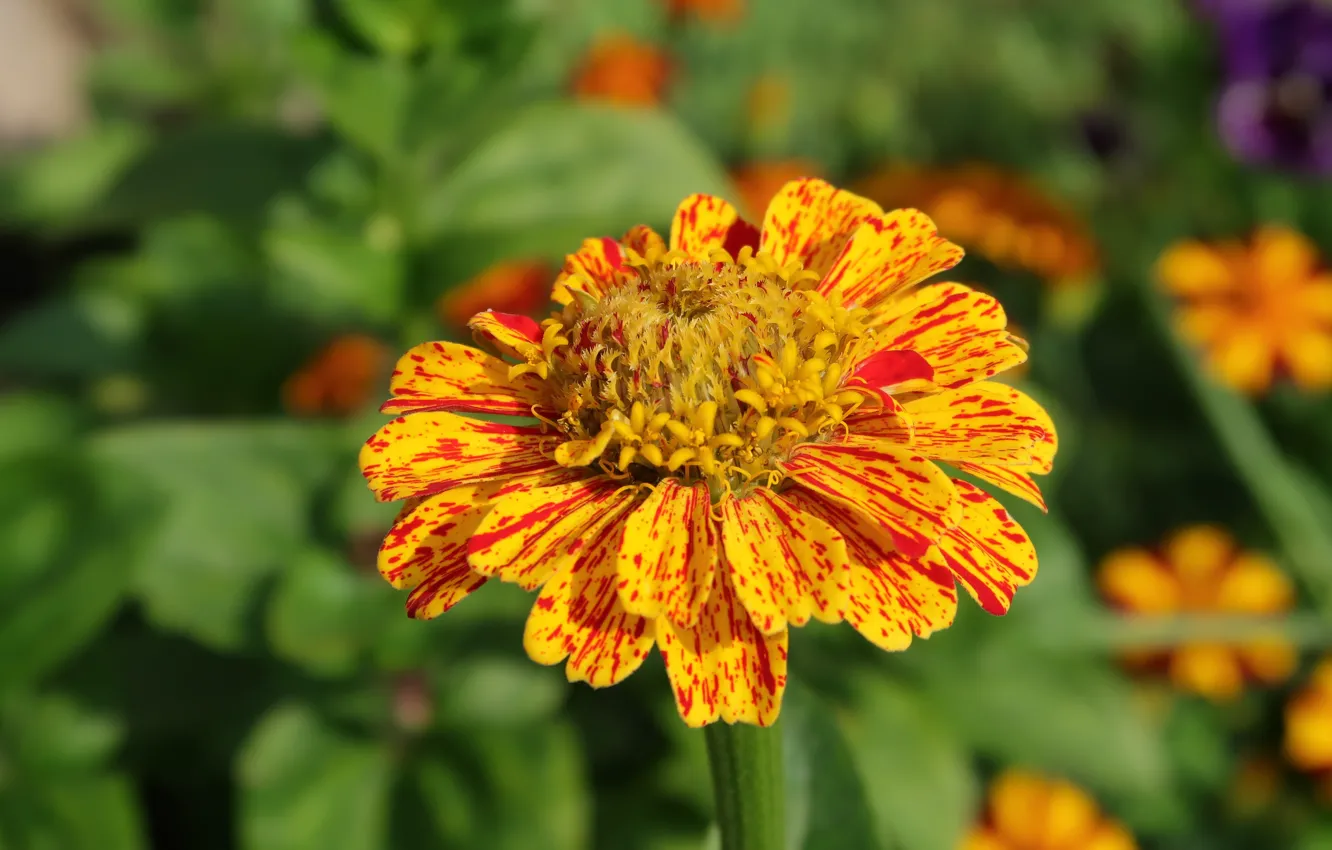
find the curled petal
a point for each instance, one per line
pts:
(988, 551)
(448, 376)
(668, 560)
(887, 255)
(427, 453)
(723, 668)
(704, 223)
(594, 269)
(510, 334)
(812, 221)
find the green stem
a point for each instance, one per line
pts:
(747, 783)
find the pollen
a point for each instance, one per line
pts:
(696, 370)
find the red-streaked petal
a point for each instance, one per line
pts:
(909, 496)
(530, 534)
(1010, 480)
(886, 371)
(644, 240)
(812, 221)
(887, 255)
(962, 333)
(785, 564)
(988, 551)
(446, 585)
(889, 597)
(578, 616)
(723, 668)
(594, 269)
(982, 422)
(427, 453)
(510, 334)
(449, 376)
(668, 560)
(703, 223)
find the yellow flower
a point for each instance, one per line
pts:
(1004, 217)
(1256, 309)
(1200, 569)
(759, 182)
(620, 69)
(1309, 723)
(516, 286)
(339, 379)
(737, 429)
(1030, 812)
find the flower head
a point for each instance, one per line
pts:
(1200, 569)
(1004, 217)
(620, 69)
(737, 433)
(1309, 723)
(515, 286)
(1029, 812)
(339, 379)
(1256, 310)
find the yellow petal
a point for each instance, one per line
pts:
(1282, 257)
(912, 498)
(1018, 804)
(667, 563)
(1272, 660)
(1314, 300)
(1308, 742)
(1015, 481)
(578, 616)
(988, 551)
(1206, 323)
(1110, 836)
(811, 221)
(508, 333)
(1198, 553)
(1071, 816)
(595, 269)
(1191, 269)
(426, 453)
(1243, 360)
(448, 376)
(723, 668)
(1211, 670)
(889, 597)
(529, 535)
(960, 332)
(886, 256)
(1308, 356)
(1137, 580)
(704, 223)
(1254, 584)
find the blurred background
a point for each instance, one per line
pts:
(222, 220)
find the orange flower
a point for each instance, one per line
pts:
(1200, 569)
(1004, 217)
(1255, 310)
(759, 182)
(339, 380)
(737, 434)
(716, 11)
(1029, 812)
(620, 69)
(1309, 723)
(517, 286)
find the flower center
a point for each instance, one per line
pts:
(710, 371)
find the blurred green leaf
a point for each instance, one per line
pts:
(58, 183)
(364, 98)
(323, 615)
(304, 784)
(237, 499)
(559, 166)
(52, 734)
(496, 692)
(81, 335)
(334, 274)
(232, 171)
(826, 802)
(395, 27)
(917, 773)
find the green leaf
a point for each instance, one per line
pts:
(826, 802)
(324, 616)
(226, 170)
(31, 421)
(51, 734)
(365, 98)
(556, 165)
(917, 774)
(334, 274)
(60, 182)
(306, 785)
(497, 692)
(237, 501)
(395, 27)
(84, 334)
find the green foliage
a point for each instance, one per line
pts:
(194, 643)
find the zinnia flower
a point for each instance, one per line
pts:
(340, 379)
(1030, 812)
(1200, 569)
(515, 286)
(1004, 217)
(1309, 723)
(1256, 310)
(621, 69)
(737, 433)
